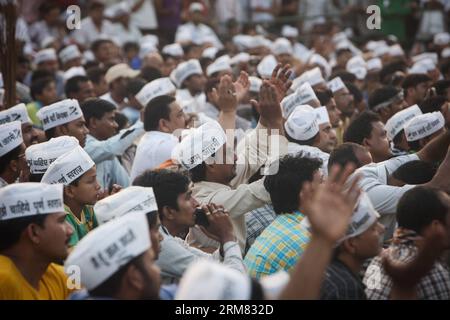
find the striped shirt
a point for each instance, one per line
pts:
(341, 284)
(279, 246)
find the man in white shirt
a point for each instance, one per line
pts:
(195, 31)
(177, 209)
(162, 116)
(263, 10)
(94, 26)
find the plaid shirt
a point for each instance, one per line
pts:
(279, 246)
(256, 221)
(434, 286)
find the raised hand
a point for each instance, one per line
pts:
(220, 225)
(328, 207)
(242, 85)
(280, 79)
(226, 95)
(268, 106)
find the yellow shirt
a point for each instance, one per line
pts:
(13, 286)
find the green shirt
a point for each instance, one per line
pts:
(32, 109)
(82, 226)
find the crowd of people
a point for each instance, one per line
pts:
(151, 155)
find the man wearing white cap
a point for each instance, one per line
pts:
(40, 156)
(125, 29)
(19, 113)
(178, 213)
(394, 129)
(64, 118)
(304, 95)
(195, 30)
(117, 260)
(344, 102)
(188, 77)
(12, 153)
(70, 56)
(361, 242)
(76, 171)
(116, 77)
(423, 128)
(328, 139)
(386, 102)
(163, 117)
(33, 240)
(104, 144)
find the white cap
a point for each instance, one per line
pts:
(174, 50)
(336, 84)
(322, 115)
(26, 199)
(255, 84)
(242, 57)
(130, 200)
(199, 145)
(195, 6)
(59, 113)
(282, 46)
(381, 50)
(441, 39)
(301, 96)
(311, 153)
(16, 113)
(396, 51)
(184, 70)
(221, 64)
(318, 59)
(68, 53)
(121, 70)
(117, 10)
(356, 61)
(150, 38)
(73, 72)
(47, 40)
(147, 48)
(10, 136)
(266, 66)
(104, 250)
(210, 53)
(445, 53)
(374, 64)
(40, 156)
(45, 55)
(398, 121)
(289, 32)
(364, 216)
(210, 280)
(418, 68)
(426, 55)
(359, 72)
(156, 88)
(424, 125)
(373, 45)
(274, 284)
(68, 167)
(313, 77)
(302, 123)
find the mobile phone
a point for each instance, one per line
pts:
(200, 218)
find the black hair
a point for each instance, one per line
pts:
(157, 109)
(72, 85)
(97, 43)
(38, 86)
(445, 68)
(36, 177)
(8, 157)
(21, 58)
(343, 155)
(95, 74)
(284, 186)
(40, 74)
(414, 145)
(418, 207)
(355, 92)
(150, 73)
(11, 229)
(389, 69)
(345, 76)
(324, 96)
(121, 120)
(381, 95)
(415, 172)
(308, 142)
(46, 7)
(135, 85)
(413, 80)
(432, 104)
(198, 173)
(361, 127)
(441, 87)
(96, 108)
(130, 45)
(256, 292)
(167, 186)
(342, 51)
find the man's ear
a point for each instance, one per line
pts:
(163, 125)
(33, 232)
(133, 278)
(61, 130)
(167, 213)
(349, 245)
(69, 192)
(14, 166)
(411, 91)
(366, 143)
